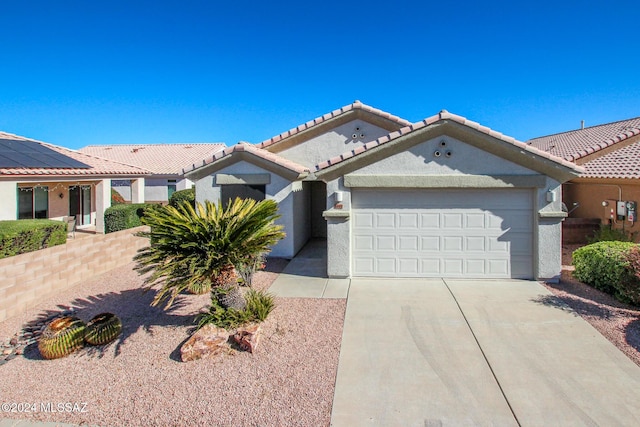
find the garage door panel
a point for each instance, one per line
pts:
(426, 233)
(385, 220)
(385, 265)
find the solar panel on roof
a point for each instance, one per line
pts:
(31, 154)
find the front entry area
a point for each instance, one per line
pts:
(478, 233)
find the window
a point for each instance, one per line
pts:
(33, 202)
(171, 187)
(244, 191)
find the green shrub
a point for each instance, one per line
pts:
(603, 265)
(188, 195)
(122, 217)
(28, 235)
(630, 289)
(608, 234)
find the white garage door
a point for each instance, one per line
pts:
(442, 233)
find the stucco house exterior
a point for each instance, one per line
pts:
(443, 197)
(79, 185)
(165, 161)
(610, 155)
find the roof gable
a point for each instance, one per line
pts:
(578, 144)
(244, 151)
(161, 159)
(319, 125)
(458, 127)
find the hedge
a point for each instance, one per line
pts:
(180, 196)
(606, 266)
(28, 235)
(122, 217)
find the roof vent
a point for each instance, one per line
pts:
(581, 124)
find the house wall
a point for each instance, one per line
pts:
(333, 143)
(279, 189)
(30, 278)
(591, 193)
(419, 161)
(155, 190)
(9, 205)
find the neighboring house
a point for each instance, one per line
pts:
(40, 180)
(444, 197)
(165, 161)
(610, 155)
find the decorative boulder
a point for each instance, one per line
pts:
(247, 337)
(207, 342)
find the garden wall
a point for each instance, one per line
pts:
(27, 279)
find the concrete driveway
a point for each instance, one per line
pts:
(434, 352)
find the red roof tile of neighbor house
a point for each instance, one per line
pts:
(161, 159)
(250, 148)
(356, 105)
(98, 166)
(622, 163)
(579, 143)
(443, 115)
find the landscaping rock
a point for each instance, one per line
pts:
(248, 337)
(207, 342)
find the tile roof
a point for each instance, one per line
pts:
(623, 163)
(579, 143)
(356, 105)
(252, 149)
(443, 115)
(98, 165)
(161, 159)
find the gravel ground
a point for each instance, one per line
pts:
(139, 380)
(618, 322)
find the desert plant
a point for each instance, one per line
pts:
(602, 265)
(62, 336)
(259, 304)
(103, 328)
(222, 317)
(195, 247)
(246, 268)
(116, 198)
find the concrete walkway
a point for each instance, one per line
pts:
(432, 352)
(306, 276)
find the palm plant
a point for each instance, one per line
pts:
(196, 248)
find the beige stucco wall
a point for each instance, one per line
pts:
(9, 205)
(591, 193)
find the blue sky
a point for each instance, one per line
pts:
(76, 73)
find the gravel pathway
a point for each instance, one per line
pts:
(139, 380)
(618, 322)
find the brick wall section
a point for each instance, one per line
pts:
(30, 278)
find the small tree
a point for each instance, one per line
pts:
(196, 249)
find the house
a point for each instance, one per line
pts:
(610, 155)
(41, 180)
(443, 197)
(165, 161)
